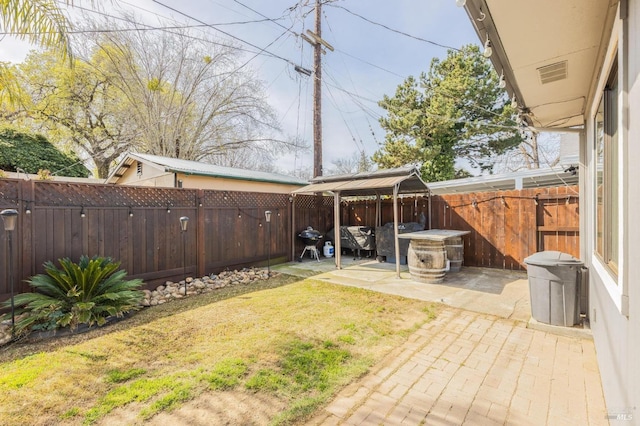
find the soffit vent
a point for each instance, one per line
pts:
(553, 72)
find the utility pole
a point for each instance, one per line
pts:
(317, 95)
(315, 39)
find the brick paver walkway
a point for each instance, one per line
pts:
(477, 369)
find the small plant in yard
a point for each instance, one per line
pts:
(87, 292)
(119, 376)
(308, 371)
(227, 374)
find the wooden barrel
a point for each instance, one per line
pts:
(455, 250)
(427, 260)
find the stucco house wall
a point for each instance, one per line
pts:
(221, 184)
(614, 301)
(150, 176)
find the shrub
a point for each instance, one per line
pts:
(34, 152)
(44, 174)
(87, 292)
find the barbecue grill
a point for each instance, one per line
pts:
(310, 238)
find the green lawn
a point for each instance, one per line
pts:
(293, 343)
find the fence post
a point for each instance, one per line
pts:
(24, 237)
(200, 234)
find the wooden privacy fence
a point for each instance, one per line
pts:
(508, 226)
(505, 226)
(140, 227)
(363, 212)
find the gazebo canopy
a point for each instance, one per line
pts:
(402, 180)
(381, 182)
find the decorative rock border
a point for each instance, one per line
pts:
(176, 290)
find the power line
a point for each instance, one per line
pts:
(268, 19)
(354, 97)
(140, 24)
(123, 30)
(225, 23)
(353, 138)
(357, 103)
(394, 30)
(260, 50)
(370, 64)
(253, 57)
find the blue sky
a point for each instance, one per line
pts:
(369, 61)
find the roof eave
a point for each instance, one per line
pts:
(484, 26)
(221, 176)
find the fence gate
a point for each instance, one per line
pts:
(557, 220)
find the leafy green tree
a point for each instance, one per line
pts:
(457, 110)
(78, 106)
(33, 153)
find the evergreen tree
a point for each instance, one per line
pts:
(456, 111)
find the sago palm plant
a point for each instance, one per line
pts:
(87, 292)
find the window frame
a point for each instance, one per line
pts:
(606, 182)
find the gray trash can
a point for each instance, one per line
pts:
(553, 286)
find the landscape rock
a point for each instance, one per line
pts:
(176, 290)
(5, 333)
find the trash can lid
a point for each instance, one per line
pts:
(551, 258)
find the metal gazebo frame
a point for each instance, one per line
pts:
(394, 182)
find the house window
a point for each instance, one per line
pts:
(606, 191)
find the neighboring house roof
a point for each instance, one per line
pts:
(506, 181)
(188, 167)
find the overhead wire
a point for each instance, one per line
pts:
(394, 30)
(212, 26)
(355, 97)
(335, 104)
(350, 79)
(441, 91)
(253, 57)
(120, 30)
(260, 49)
(141, 24)
(369, 63)
(267, 18)
(295, 161)
(289, 29)
(201, 25)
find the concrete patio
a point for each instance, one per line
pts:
(491, 291)
(481, 361)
